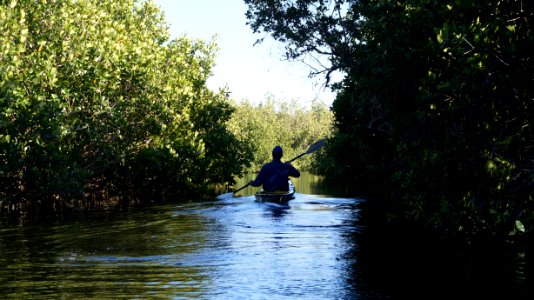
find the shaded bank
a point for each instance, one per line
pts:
(435, 109)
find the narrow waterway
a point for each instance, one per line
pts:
(232, 248)
(236, 248)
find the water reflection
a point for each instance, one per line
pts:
(317, 247)
(112, 257)
(229, 249)
(284, 253)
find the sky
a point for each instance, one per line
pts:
(250, 72)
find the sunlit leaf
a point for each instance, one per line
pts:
(519, 226)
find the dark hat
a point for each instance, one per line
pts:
(277, 151)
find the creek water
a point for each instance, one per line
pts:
(228, 248)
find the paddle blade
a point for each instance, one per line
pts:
(316, 146)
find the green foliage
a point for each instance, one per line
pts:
(94, 97)
(435, 112)
(287, 124)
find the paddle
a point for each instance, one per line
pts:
(314, 147)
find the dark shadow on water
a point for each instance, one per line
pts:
(401, 262)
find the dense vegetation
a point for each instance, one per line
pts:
(98, 105)
(276, 122)
(434, 115)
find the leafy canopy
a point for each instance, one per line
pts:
(435, 112)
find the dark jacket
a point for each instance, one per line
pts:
(274, 176)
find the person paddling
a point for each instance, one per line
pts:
(274, 175)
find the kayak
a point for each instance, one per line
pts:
(276, 196)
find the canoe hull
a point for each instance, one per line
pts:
(276, 197)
